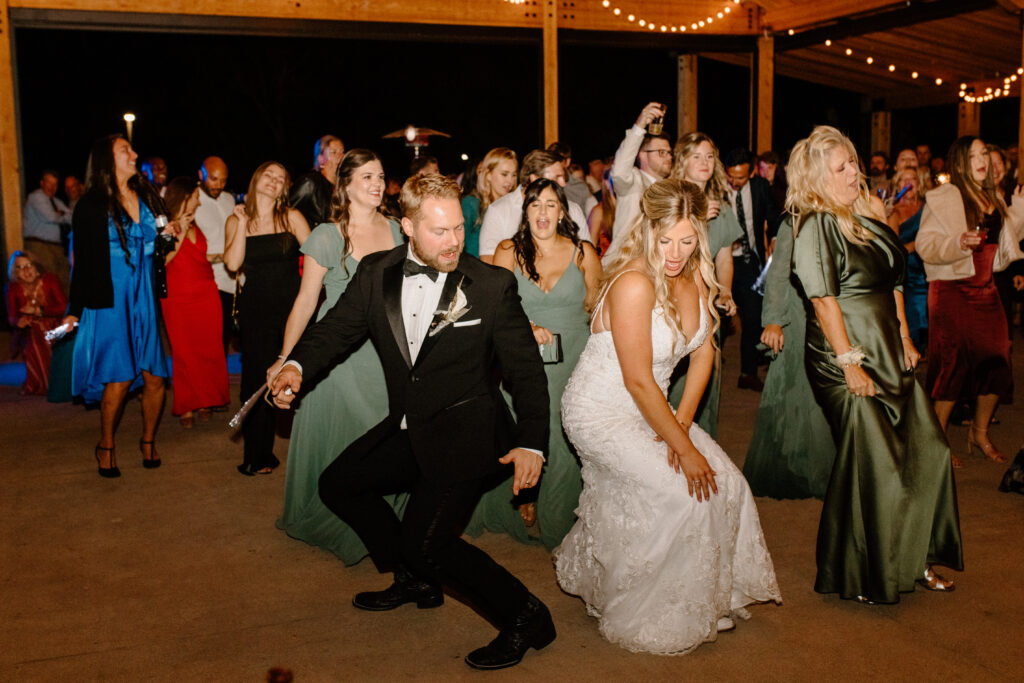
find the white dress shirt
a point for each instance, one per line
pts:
(629, 184)
(748, 217)
(503, 217)
(420, 297)
(211, 215)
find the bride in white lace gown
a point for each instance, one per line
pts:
(668, 547)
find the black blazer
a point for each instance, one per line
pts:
(458, 422)
(91, 283)
(311, 196)
(766, 213)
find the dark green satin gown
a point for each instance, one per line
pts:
(791, 452)
(891, 504)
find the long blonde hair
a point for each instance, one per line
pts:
(484, 190)
(808, 173)
(662, 206)
(717, 184)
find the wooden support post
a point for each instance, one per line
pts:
(881, 132)
(765, 91)
(1020, 132)
(550, 38)
(10, 168)
(686, 95)
(969, 119)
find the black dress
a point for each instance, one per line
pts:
(271, 269)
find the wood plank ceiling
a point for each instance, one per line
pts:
(976, 42)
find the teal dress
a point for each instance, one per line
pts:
(339, 409)
(473, 220)
(723, 230)
(891, 504)
(561, 312)
(791, 452)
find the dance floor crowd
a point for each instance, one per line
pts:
(533, 350)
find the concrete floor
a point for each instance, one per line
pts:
(180, 574)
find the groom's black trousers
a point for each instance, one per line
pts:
(427, 539)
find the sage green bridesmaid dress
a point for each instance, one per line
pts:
(723, 230)
(791, 452)
(560, 311)
(891, 505)
(339, 409)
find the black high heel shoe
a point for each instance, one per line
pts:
(149, 463)
(107, 472)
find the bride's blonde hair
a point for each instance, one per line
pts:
(662, 206)
(809, 191)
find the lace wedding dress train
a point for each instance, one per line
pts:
(656, 567)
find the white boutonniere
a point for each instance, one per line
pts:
(458, 308)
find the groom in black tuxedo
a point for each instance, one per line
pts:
(439, 324)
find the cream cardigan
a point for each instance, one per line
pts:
(942, 223)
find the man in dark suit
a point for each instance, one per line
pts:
(439, 323)
(759, 217)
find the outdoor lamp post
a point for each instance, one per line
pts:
(129, 119)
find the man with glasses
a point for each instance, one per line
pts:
(641, 160)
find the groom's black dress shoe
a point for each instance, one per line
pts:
(532, 628)
(406, 588)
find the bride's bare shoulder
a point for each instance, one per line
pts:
(632, 285)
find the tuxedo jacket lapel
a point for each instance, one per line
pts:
(455, 279)
(392, 291)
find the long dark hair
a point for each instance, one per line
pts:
(973, 193)
(353, 160)
(280, 210)
(101, 178)
(522, 242)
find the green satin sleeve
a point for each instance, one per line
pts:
(723, 230)
(818, 251)
(779, 294)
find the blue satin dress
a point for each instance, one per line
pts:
(116, 344)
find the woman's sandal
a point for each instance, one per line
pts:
(152, 462)
(933, 582)
(987, 449)
(107, 472)
(528, 511)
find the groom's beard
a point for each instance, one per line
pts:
(433, 260)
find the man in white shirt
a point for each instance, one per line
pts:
(504, 216)
(215, 205)
(42, 220)
(640, 161)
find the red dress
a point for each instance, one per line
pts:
(29, 341)
(968, 341)
(192, 314)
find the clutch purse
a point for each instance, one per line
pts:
(552, 353)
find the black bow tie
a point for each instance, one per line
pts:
(410, 268)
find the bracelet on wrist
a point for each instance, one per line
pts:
(855, 356)
(282, 357)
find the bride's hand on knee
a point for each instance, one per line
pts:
(700, 478)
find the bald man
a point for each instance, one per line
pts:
(215, 205)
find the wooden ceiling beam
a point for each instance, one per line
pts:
(797, 14)
(905, 14)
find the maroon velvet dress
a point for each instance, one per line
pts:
(192, 314)
(968, 343)
(29, 341)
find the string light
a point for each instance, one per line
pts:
(891, 68)
(666, 27)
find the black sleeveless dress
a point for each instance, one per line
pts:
(271, 269)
